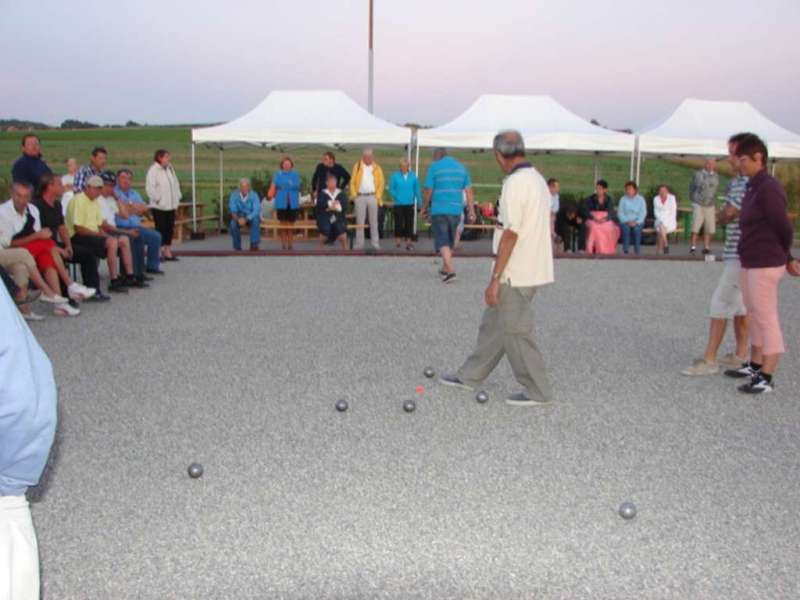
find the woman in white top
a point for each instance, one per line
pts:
(164, 193)
(665, 211)
(68, 182)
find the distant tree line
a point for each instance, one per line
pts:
(23, 125)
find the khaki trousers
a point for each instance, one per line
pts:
(19, 263)
(507, 330)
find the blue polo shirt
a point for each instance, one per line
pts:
(133, 197)
(447, 178)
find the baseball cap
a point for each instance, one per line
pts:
(109, 177)
(94, 181)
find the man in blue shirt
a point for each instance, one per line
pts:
(404, 190)
(631, 213)
(245, 209)
(131, 210)
(29, 167)
(27, 429)
(446, 186)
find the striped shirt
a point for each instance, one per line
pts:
(82, 176)
(447, 179)
(736, 190)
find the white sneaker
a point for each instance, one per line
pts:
(56, 299)
(77, 291)
(65, 310)
(32, 316)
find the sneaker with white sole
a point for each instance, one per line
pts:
(65, 310)
(758, 385)
(743, 371)
(701, 367)
(77, 291)
(454, 381)
(449, 278)
(522, 399)
(56, 299)
(732, 361)
(32, 316)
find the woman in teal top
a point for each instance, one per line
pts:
(285, 190)
(404, 190)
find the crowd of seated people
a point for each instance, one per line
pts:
(84, 216)
(597, 224)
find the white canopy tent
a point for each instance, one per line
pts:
(702, 128)
(544, 123)
(312, 117)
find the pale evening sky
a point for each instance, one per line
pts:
(627, 63)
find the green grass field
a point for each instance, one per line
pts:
(134, 147)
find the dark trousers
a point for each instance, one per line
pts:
(165, 225)
(572, 234)
(86, 250)
(404, 221)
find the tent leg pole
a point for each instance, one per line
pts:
(221, 177)
(416, 172)
(638, 165)
(194, 192)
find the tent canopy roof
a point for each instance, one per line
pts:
(326, 117)
(544, 123)
(702, 127)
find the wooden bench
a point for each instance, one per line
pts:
(182, 226)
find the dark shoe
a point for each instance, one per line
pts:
(138, 283)
(170, 258)
(155, 271)
(758, 385)
(706, 251)
(522, 399)
(254, 248)
(692, 250)
(146, 278)
(449, 278)
(744, 371)
(99, 297)
(454, 381)
(118, 286)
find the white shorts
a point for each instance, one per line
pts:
(19, 554)
(727, 301)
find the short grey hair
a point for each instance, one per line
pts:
(245, 181)
(367, 152)
(509, 143)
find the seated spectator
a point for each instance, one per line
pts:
(20, 227)
(68, 181)
(51, 216)
(331, 211)
(602, 231)
(665, 211)
(29, 167)
(21, 267)
(85, 225)
(131, 210)
(404, 190)
(631, 214)
(110, 209)
(95, 166)
(285, 190)
(571, 228)
(245, 210)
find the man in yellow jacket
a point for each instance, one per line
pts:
(366, 190)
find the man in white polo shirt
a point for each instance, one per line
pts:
(523, 262)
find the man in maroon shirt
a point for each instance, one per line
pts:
(765, 253)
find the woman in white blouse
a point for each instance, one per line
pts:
(665, 210)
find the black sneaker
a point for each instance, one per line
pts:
(522, 399)
(758, 385)
(706, 251)
(692, 250)
(454, 381)
(155, 271)
(744, 371)
(99, 297)
(442, 272)
(448, 278)
(117, 286)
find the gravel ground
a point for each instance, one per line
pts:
(236, 363)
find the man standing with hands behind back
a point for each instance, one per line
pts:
(524, 261)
